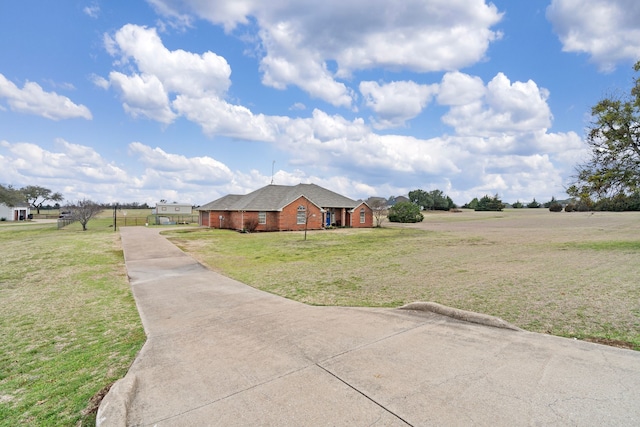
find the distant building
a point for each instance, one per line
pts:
(19, 212)
(173, 209)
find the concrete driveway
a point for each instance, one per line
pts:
(222, 353)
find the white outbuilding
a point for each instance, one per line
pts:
(19, 212)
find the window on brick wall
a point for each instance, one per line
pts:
(262, 217)
(362, 216)
(302, 215)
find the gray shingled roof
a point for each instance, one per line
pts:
(276, 197)
(221, 204)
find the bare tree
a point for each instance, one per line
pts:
(83, 211)
(307, 215)
(379, 208)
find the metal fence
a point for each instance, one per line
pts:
(64, 222)
(172, 219)
(124, 221)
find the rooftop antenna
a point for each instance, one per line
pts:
(272, 165)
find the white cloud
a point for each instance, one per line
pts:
(227, 13)
(499, 110)
(70, 166)
(79, 172)
(161, 74)
(143, 95)
(93, 10)
(32, 99)
(204, 170)
(335, 141)
(300, 43)
(396, 102)
(179, 71)
(287, 62)
(607, 30)
(460, 89)
(217, 117)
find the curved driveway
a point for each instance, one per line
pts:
(221, 353)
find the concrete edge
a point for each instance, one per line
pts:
(114, 408)
(466, 316)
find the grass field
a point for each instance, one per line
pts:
(68, 321)
(567, 274)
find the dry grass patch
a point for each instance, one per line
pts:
(568, 274)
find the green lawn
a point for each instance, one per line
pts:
(68, 322)
(567, 274)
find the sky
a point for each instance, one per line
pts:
(190, 100)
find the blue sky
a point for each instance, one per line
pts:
(187, 100)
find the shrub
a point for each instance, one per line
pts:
(250, 225)
(555, 207)
(405, 212)
(584, 206)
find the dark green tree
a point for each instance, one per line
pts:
(405, 212)
(440, 201)
(10, 196)
(517, 205)
(36, 196)
(421, 198)
(432, 200)
(533, 204)
(614, 142)
(472, 204)
(487, 203)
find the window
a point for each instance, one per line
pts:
(262, 217)
(362, 216)
(302, 215)
(177, 209)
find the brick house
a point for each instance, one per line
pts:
(285, 208)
